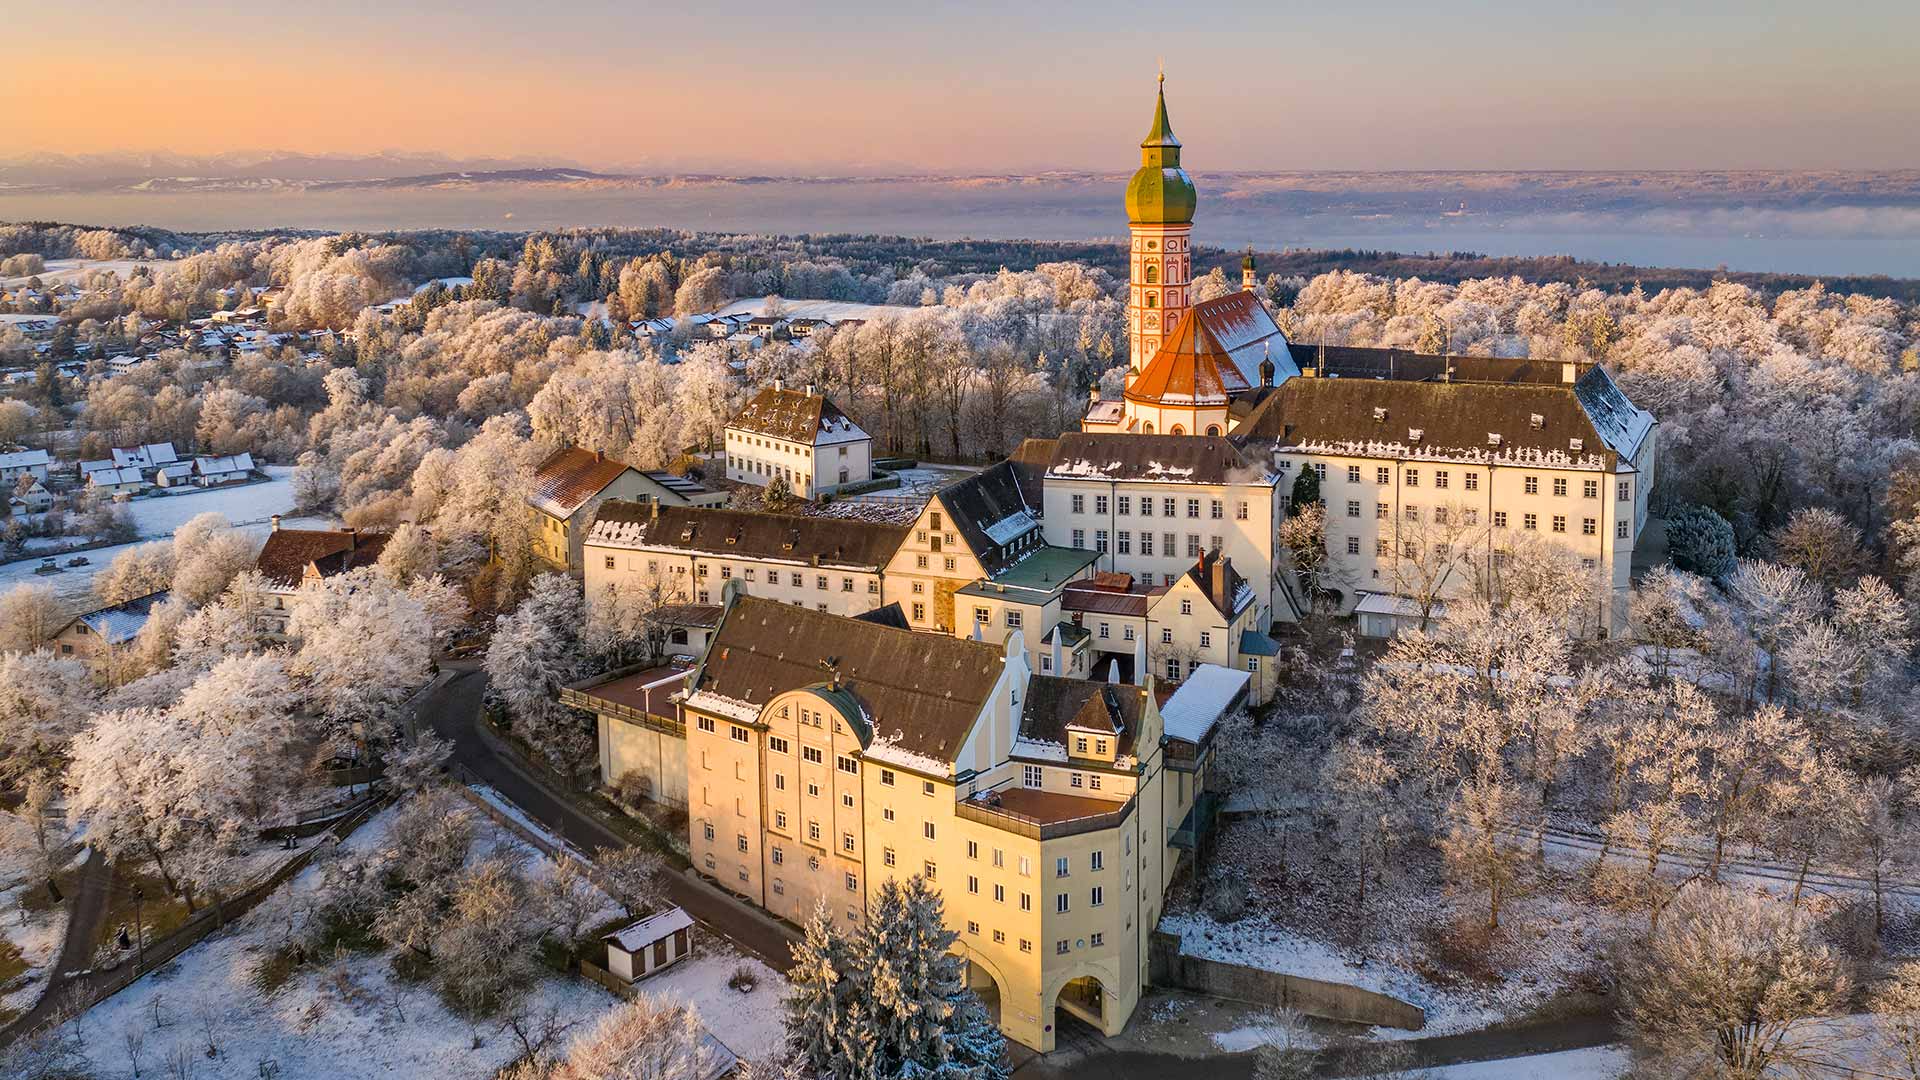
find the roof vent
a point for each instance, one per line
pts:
(1494, 438)
(1379, 413)
(1537, 421)
(1576, 445)
(1414, 434)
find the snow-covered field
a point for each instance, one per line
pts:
(59, 270)
(354, 1018)
(1593, 1063)
(157, 517)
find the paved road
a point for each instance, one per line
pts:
(86, 910)
(452, 709)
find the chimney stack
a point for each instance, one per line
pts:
(276, 522)
(779, 384)
(812, 390)
(1220, 564)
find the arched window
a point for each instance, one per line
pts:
(1153, 299)
(1213, 429)
(1147, 428)
(1153, 274)
(1177, 430)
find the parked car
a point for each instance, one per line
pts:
(47, 566)
(77, 560)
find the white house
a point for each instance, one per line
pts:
(175, 474)
(29, 496)
(115, 481)
(639, 950)
(802, 438)
(150, 456)
(212, 471)
(21, 463)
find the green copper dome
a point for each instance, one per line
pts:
(1161, 193)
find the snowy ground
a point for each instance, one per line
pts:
(36, 934)
(1593, 1063)
(250, 507)
(834, 310)
(353, 1018)
(59, 270)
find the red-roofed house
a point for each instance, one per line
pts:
(293, 557)
(570, 485)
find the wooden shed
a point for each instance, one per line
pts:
(637, 951)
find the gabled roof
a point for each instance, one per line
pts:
(569, 478)
(241, 462)
(1030, 461)
(746, 534)
(921, 693)
(24, 459)
(1221, 584)
(287, 553)
(796, 416)
(1187, 459)
(989, 510)
(149, 455)
(1055, 704)
(889, 615)
(122, 622)
(634, 937)
(110, 475)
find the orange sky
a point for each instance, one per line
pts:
(985, 86)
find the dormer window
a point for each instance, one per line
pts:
(1576, 445)
(1415, 434)
(1494, 438)
(1379, 414)
(1536, 421)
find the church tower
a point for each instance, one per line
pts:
(1160, 202)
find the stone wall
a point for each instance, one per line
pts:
(1169, 967)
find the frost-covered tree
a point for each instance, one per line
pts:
(1733, 986)
(537, 649)
(647, 1038)
(631, 875)
(1821, 544)
(135, 572)
(363, 648)
(1700, 541)
(1895, 1008)
(29, 614)
(44, 702)
(208, 553)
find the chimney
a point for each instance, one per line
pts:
(779, 384)
(653, 509)
(1569, 372)
(350, 531)
(812, 390)
(1220, 564)
(276, 522)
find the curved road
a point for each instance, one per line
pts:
(86, 910)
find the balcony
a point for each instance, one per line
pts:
(1043, 815)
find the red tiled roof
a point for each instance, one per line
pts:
(287, 553)
(1192, 367)
(568, 478)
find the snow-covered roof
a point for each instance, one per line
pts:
(211, 466)
(122, 622)
(145, 456)
(24, 459)
(128, 475)
(1389, 604)
(639, 935)
(1200, 702)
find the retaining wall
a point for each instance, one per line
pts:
(1169, 967)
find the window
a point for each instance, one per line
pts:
(1533, 485)
(919, 612)
(1060, 867)
(1193, 508)
(1026, 866)
(949, 563)
(813, 831)
(779, 856)
(1440, 478)
(1206, 639)
(887, 856)
(1240, 511)
(1353, 474)
(1126, 504)
(1166, 636)
(740, 841)
(779, 781)
(1124, 542)
(846, 764)
(926, 786)
(1126, 633)
(1026, 901)
(1000, 893)
(1589, 489)
(1383, 475)
(973, 928)
(1060, 947)
(1413, 477)
(1499, 519)
(1380, 549)
(1080, 539)
(920, 562)
(1560, 486)
(1025, 945)
(813, 755)
(1472, 516)
(930, 870)
(926, 829)
(1100, 541)
(1062, 903)
(886, 813)
(1013, 618)
(779, 819)
(1146, 506)
(1559, 523)
(846, 841)
(1096, 896)
(1381, 511)
(1146, 544)
(737, 733)
(1530, 521)
(1097, 860)
(1589, 526)
(725, 572)
(1623, 490)
(1439, 515)
(777, 744)
(1079, 504)
(1096, 939)
(706, 724)
(1193, 546)
(1353, 508)
(973, 849)
(1173, 670)
(706, 830)
(1353, 545)
(609, 562)
(973, 884)
(1030, 776)
(886, 777)
(1216, 510)
(1411, 513)
(1473, 481)
(1620, 530)
(1100, 504)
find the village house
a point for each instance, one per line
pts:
(230, 469)
(18, 463)
(686, 555)
(112, 481)
(292, 557)
(29, 496)
(101, 637)
(801, 438)
(571, 484)
(826, 755)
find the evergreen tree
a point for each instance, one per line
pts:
(1306, 490)
(820, 1002)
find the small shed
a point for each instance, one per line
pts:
(639, 950)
